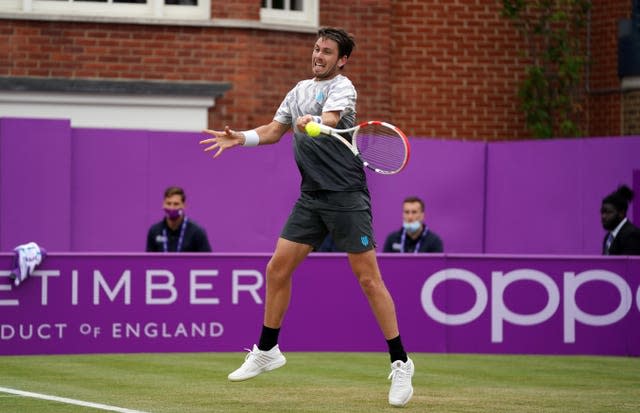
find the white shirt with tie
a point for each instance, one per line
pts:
(614, 233)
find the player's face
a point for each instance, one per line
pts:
(325, 63)
(610, 217)
(411, 211)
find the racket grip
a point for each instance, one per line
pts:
(324, 129)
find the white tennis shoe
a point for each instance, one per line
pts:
(258, 361)
(401, 388)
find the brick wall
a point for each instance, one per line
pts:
(456, 70)
(605, 103)
(631, 113)
(236, 9)
(447, 69)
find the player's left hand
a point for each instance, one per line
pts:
(222, 140)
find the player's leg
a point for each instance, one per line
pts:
(352, 232)
(302, 230)
(365, 267)
(266, 355)
(285, 260)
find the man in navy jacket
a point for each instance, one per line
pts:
(414, 236)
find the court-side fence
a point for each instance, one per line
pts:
(125, 303)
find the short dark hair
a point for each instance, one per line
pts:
(414, 199)
(175, 190)
(620, 198)
(345, 41)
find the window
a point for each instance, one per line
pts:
(290, 12)
(171, 9)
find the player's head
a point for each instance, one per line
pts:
(344, 40)
(174, 202)
(331, 52)
(614, 207)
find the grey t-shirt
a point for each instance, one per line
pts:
(324, 162)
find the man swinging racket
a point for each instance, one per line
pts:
(334, 200)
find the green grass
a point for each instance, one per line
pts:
(323, 382)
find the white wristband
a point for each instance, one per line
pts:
(317, 119)
(251, 138)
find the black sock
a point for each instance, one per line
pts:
(268, 338)
(396, 351)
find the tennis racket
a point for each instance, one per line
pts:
(380, 146)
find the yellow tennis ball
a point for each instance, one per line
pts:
(313, 129)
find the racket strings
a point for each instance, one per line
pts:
(381, 147)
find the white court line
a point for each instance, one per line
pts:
(68, 401)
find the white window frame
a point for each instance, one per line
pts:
(165, 113)
(307, 17)
(152, 9)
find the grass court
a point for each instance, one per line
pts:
(320, 382)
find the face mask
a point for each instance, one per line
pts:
(173, 214)
(411, 226)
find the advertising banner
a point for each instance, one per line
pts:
(124, 303)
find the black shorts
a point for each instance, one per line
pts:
(344, 215)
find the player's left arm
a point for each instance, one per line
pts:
(228, 138)
(272, 132)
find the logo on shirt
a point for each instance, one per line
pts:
(320, 96)
(364, 240)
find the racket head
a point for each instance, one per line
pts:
(383, 147)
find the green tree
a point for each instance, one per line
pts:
(551, 94)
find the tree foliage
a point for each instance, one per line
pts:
(551, 93)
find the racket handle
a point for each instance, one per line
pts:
(325, 130)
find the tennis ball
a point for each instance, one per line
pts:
(313, 129)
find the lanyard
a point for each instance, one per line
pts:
(403, 238)
(183, 227)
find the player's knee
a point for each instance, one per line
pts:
(276, 274)
(369, 284)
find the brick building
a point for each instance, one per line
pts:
(436, 68)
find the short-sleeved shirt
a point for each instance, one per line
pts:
(324, 162)
(194, 239)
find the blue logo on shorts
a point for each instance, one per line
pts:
(364, 240)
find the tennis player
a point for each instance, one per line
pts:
(334, 200)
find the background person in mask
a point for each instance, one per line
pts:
(176, 232)
(622, 238)
(414, 236)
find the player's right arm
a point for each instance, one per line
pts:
(228, 138)
(330, 119)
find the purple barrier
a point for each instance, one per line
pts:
(524, 197)
(35, 189)
(96, 303)
(544, 197)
